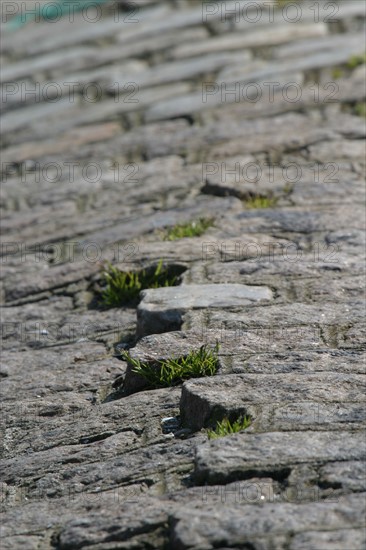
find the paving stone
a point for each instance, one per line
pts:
(86, 31)
(223, 460)
(72, 59)
(65, 144)
(14, 121)
(93, 112)
(265, 396)
(263, 133)
(162, 42)
(83, 85)
(243, 525)
(350, 149)
(352, 538)
(276, 35)
(273, 315)
(184, 69)
(351, 474)
(346, 361)
(157, 220)
(316, 45)
(163, 308)
(195, 16)
(58, 277)
(216, 94)
(90, 457)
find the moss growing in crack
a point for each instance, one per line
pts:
(190, 229)
(225, 427)
(124, 287)
(170, 372)
(353, 62)
(288, 188)
(360, 109)
(259, 201)
(337, 72)
(282, 3)
(356, 61)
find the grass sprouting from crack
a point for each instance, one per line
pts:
(337, 72)
(360, 109)
(260, 202)
(282, 3)
(190, 229)
(170, 372)
(356, 61)
(124, 287)
(225, 427)
(353, 62)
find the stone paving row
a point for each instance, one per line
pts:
(159, 113)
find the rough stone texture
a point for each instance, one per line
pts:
(162, 308)
(237, 456)
(114, 131)
(272, 399)
(265, 528)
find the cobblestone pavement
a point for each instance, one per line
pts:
(121, 121)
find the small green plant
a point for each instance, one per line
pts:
(260, 202)
(225, 427)
(337, 73)
(124, 287)
(356, 61)
(288, 188)
(170, 372)
(360, 109)
(190, 229)
(281, 3)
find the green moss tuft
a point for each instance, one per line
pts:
(170, 372)
(260, 202)
(190, 229)
(225, 427)
(124, 287)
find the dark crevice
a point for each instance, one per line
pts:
(93, 438)
(330, 485)
(280, 475)
(190, 119)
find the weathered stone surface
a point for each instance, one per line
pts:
(25, 117)
(224, 460)
(220, 526)
(276, 35)
(316, 45)
(274, 399)
(162, 308)
(346, 361)
(74, 138)
(67, 59)
(91, 460)
(352, 538)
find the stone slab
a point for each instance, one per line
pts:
(286, 400)
(237, 456)
(163, 307)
